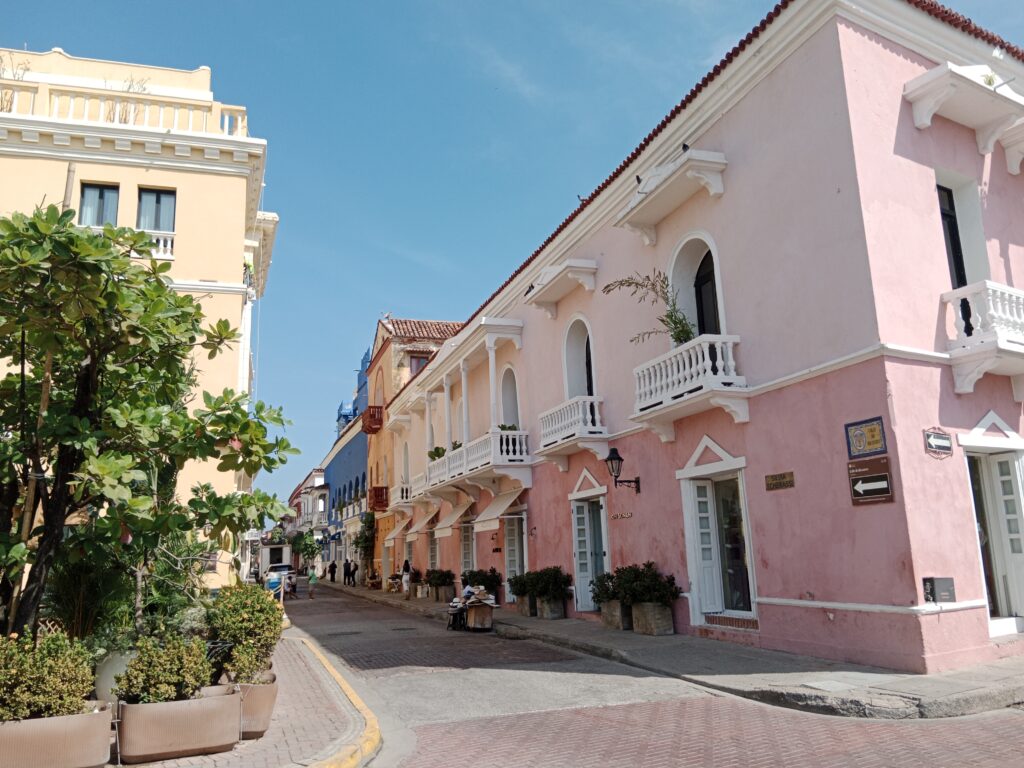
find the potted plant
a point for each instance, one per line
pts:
(526, 600)
(614, 613)
(167, 707)
(445, 583)
(489, 580)
(656, 289)
(551, 585)
(420, 587)
(249, 618)
(45, 720)
(650, 594)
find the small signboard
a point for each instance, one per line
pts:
(779, 482)
(870, 480)
(252, 535)
(938, 443)
(865, 438)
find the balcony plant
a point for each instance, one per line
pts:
(45, 719)
(614, 612)
(168, 708)
(456, 445)
(650, 594)
(551, 586)
(508, 427)
(436, 452)
(521, 587)
(655, 288)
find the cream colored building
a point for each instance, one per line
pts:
(148, 147)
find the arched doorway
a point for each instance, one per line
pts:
(509, 399)
(579, 364)
(705, 291)
(694, 281)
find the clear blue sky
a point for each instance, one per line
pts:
(418, 150)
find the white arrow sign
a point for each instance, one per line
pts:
(861, 486)
(939, 441)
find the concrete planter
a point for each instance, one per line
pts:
(526, 605)
(71, 741)
(615, 615)
(422, 590)
(258, 705)
(173, 729)
(446, 594)
(550, 609)
(653, 619)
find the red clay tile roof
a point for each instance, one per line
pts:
(932, 8)
(424, 329)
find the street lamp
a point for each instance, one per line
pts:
(614, 464)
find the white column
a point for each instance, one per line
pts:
(448, 413)
(492, 376)
(464, 368)
(429, 431)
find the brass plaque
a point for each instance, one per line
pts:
(779, 482)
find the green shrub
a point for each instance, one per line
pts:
(415, 576)
(247, 613)
(246, 664)
(174, 672)
(489, 580)
(48, 679)
(644, 584)
(440, 578)
(602, 588)
(518, 585)
(551, 583)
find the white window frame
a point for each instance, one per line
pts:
(432, 552)
(466, 535)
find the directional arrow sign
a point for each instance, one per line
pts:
(870, 480)
(938, 443)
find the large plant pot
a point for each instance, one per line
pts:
(112, 665)
(422, 590)
(71, 741)
(550, 609)
(616, 615)
(258, 706)
(172, 729)
(653, 619)
(446, 594)
(526, 605)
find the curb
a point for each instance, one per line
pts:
(369, 741)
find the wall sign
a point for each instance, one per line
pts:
(622, 515)
(865, 438)
(870, 481)
(779, 482)
(938, 443)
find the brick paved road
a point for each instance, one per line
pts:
(448, 699)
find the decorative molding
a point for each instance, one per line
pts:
(182, 150)
(61, 139)
(737, 407)
(648, 232)
(211, 153)
(153, 147)
(30, 136)
(123, 145)
(92, 142)
(1013, 146)
(913, 610)
(966, 375)
(726, 461)
(979, 437)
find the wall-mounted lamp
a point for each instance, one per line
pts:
(494, 536)
(614, 464)
(533, 531)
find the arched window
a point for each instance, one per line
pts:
(405, 462)
(694, 281)
(378, 389)
(706, 293)
(579, 366)
(509, 398)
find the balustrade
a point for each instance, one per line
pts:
(578, 417)
(708, 360)
(491, 449)
(985, 310)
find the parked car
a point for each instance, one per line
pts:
(282, 568)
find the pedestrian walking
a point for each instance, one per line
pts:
(346, 571)
(406, 576)
(312, 582)
(352, 576)
(332, 569)
(289, 586)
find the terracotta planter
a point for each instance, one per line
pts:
(71, 741)
(550, 609)
(172, 729)
(258, 706)
(615, 615)
(653, 619)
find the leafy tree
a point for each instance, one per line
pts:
(97, 405)
(305, 546)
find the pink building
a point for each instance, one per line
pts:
(837, 206)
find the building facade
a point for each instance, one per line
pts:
(833, 464)
(149, 148)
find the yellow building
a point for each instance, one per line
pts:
(148, 147)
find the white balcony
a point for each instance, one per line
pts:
(988, 319)
(692, 378)
(573, 426)
(400, 496)
(163, 245)
(321, 520)
(482, 461)
(418, 485)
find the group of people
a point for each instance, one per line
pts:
(348, 573)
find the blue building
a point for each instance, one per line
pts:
(345, 475)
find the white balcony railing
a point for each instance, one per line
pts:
(418, 485)
(163, 244)
(984, 312)
(400, 493)
(708, 360)
(492, 449)
(578, 417)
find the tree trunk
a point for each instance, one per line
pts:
(138, 600)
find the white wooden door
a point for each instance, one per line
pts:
(582, 554)
(709, 568)
(1006, 523)
(514, 564)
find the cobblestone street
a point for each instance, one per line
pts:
(510, 703)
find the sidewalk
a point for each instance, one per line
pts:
(773, 677)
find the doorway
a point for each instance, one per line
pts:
(995, 489)
(721, 547)
(590, 548)
(515, 552)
